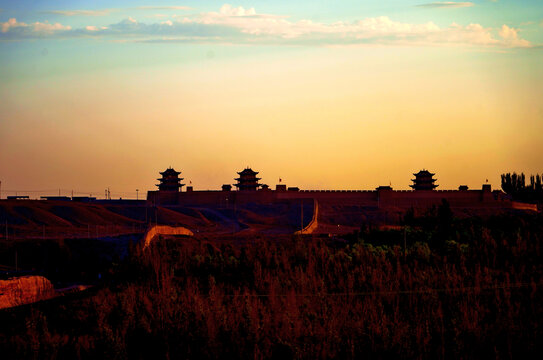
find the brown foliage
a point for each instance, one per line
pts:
(307, 298)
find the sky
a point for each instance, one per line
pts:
(322, 94)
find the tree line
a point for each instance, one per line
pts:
(515, 185)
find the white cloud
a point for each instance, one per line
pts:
(11, 23)
(105, 12)
(229, 10)
(245, 26)
(158, 16)
(164, 8)
(95, 28)
(511, 38)
(447, 4)
(380, 29)
(37, 27)
(102, 12)
(49, 28)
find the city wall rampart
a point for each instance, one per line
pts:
(374, 198)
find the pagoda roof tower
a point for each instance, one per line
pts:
(247, 180)
(170, 180)
(423, 181)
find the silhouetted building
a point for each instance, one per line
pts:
(250, 191)
(83, 199)
(247, 180)
(170, 180)
(423, 181)
(56, 198)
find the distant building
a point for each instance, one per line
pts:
(170, 181)
(83, 198)
(227, 187)
(247, 180)
(56, 198)
(423, 181)
(250, 191)
(280, 187)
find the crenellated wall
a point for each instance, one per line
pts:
(372, 198)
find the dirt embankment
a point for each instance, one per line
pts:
(157, 230)
(25, 290)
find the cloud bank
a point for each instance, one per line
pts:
(102, 12)
(241, 25)
(15, 29)
(447, 4)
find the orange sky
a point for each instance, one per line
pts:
(319, 118)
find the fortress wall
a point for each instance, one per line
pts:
(199, 198)
(465, 199)
(323, 195)
(382, 198)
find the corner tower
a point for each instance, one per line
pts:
(247, 180)
(423, 181)
(170, 180)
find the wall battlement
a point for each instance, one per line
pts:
(375, 198)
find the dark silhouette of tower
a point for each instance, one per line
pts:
(247, 180)
(170, 180)
(423, 181)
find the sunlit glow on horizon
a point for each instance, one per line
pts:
(87, 114)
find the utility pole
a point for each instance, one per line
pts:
(137, 194)
(0, 189)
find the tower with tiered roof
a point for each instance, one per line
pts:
(247, 180)
(170, 180)
(423, 181)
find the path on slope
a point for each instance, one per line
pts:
(157, 230)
